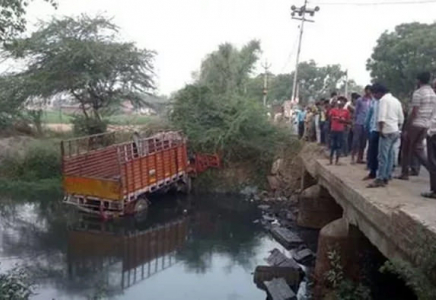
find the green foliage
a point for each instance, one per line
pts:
(83, 58)
(419, 278)
(315, 82)
(349, 290)
(227, 124)
(12, 17)
(228, 69)
(343, 289)
(40, 160)
(414, 278)
(219, 116)
(400, 55)
(88, 126)
(15, 285)
(335, 275)
(12, 97)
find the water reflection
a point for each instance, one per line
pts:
(122, 260)
(195, 248)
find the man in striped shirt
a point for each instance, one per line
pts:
(419, 121)
(431, 153)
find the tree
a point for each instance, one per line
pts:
(353, 87)
(401, 54)
(12, 96)
(280, 88)
(315, 82)
(219, 115)
(83, 58)
(12, 17)
(228, 69)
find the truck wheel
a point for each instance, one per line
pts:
(187, 185)
(141, 205)
(141, 209)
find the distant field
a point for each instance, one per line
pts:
(51, 117)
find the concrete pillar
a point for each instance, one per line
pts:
(317, 208)
(307, 179)
(346, 240)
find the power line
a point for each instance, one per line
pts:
(266, 67)
(376, 3)
(291, 54)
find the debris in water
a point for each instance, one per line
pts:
(268, 218)
(278, 259)
(264, 207)
(286, 237)
(278, 289)
(304, 256)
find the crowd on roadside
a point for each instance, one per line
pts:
(377, 130)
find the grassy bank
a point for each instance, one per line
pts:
(32, 172)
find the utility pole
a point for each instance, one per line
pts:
(266, 67)
(301, 11)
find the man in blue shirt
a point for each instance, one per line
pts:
(374, 136)
(359, 132)
(301, 119)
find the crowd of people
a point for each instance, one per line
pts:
(378, 131)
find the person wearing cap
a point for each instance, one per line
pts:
(390, 119)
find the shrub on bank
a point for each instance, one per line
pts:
(232, 125)
(229, 124)
(15, 285)
(40, 160)
(88, 126)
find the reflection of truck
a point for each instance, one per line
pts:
(112, 178)
(133, 257)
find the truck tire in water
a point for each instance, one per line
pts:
(141, 209)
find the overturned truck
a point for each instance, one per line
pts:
(102, 174)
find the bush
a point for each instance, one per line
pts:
(229, 124)
(88, 126)
(15, 285)
(40, 160)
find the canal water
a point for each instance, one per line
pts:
(202, 247)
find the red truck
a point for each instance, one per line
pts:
(104, 175)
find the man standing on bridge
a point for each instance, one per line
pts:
(374, 136)
(431, 154)
(339, 118)
(390, 119)
(359, 133)
(419, 120)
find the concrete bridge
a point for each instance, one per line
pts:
(395, 219)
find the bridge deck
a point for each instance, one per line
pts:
(396, 219)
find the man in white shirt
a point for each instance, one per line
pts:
(431, 155)
(390, 120)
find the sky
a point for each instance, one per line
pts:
(183, 32)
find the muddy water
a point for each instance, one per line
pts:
(195, 248)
